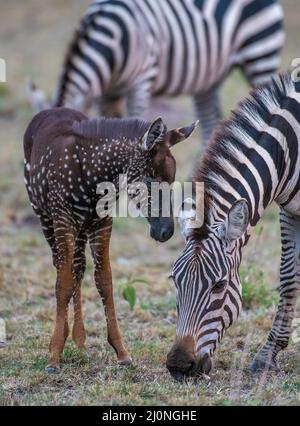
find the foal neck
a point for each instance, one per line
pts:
(111, 147)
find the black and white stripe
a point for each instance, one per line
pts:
(134, 49)
(252, 161)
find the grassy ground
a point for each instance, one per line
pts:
(27, 300)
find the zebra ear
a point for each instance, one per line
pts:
(178, 135)
(237, 221)
(155, 134)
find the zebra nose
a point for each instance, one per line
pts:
(177, 375)
(181, 360)
(205, 364)
(180, 375)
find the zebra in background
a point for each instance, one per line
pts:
(126, 51)
(252, 160)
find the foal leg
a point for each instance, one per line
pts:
(48, 230)
(79, 264)
(208, 111)
(99, 237)
(289, 290)
(65, 237)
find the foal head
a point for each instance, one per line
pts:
(160, 169)
(140, 152)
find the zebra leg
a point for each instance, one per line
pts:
(79, 264)
(138, 99)
(289, 290)
(99, 237)
(208, 112)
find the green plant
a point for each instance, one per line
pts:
(255, 291)
(39, 363)
(128, 290)
(73, 355)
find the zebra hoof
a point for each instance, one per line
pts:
(52, 370)
(260, 365)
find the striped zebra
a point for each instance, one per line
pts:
(253, 160)
(126, 51)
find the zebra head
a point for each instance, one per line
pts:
(208, 290)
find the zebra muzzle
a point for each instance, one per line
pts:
(182, 362)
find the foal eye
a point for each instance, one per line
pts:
(219, 286)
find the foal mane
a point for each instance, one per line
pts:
(110, 128)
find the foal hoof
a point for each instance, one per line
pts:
(125, 361)
(52, 369)
(260, 364)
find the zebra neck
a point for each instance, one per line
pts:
(245, 180)
(254, 155)
(248, 171)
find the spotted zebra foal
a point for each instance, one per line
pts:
(66, 157)
(254, 159)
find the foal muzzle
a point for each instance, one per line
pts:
(161, 231)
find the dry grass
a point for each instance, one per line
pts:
(27, 278)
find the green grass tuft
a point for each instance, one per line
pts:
(255, 291)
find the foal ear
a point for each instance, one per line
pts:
(236, 222)
(178, 135)
(155, 134)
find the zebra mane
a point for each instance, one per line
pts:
(233, 135)
(110, 128)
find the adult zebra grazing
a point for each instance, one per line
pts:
(134, 49)
(253, 160)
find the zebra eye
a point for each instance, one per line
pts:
(219, 286)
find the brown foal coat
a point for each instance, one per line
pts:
(66, 157)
